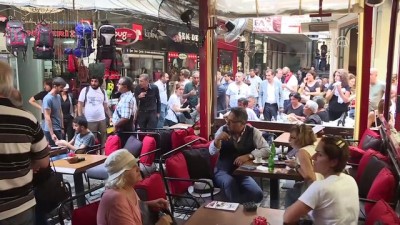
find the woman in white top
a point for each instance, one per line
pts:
(302, 140)
(333, 200)
(174, 110)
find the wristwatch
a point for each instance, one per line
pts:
(251, 156)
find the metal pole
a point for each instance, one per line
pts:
(389, 69)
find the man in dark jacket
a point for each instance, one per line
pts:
(149, 104)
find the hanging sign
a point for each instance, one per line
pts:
(125, 36)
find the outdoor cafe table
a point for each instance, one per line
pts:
(77, 169)
(239, 217)
(274, 177)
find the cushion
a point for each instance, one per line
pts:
(176, 167)
(198, 163)
(149, 144)
(86, 215)
(177, 138)
(365, 159)
(133, 145)
(113, 143)
(384, 187)
(383, 213)
(355, 154)
(370, 139)
(153, 186)
(147, 170)
(98, 172)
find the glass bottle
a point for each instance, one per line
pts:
(271, 162)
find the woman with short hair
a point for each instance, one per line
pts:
(333, 200)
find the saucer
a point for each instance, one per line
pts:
(261, 161)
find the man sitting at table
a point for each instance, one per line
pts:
(83, 136)
(236, 144)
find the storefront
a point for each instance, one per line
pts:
(227, 56)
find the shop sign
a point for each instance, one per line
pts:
(188, 37)
(152, 34)
(182, 56)
(139, 30)
(125, 36)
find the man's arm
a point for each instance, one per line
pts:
(158, 101)
(47, 118)
(107, 110)
(33, 102)
(262, 148)
(80, 107)
(215, 145)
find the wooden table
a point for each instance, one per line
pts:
(77, 169)
(274, 177)
(283, 139)
(239, 217)
(58, 151)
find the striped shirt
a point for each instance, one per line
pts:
(21, 141)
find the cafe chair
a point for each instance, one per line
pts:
(183, 168)
(369, 140)
(85, 215)
(385, 186)
(382, 213)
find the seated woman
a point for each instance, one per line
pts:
(322, 113)
(174, 111)
(302, 140)
(295, 108)
(373, 116)
(333, 200)
(120, 205)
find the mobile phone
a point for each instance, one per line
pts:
(248, 167)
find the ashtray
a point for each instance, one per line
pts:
(75, 159)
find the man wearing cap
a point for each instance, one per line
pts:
(120, 204)
(236, 144)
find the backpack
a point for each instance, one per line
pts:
(44, 41)
(86, 92)
(83, 32)
(106, 45)
(16, 37)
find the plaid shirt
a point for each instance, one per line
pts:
(125, 107)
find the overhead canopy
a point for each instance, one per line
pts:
(226, 8)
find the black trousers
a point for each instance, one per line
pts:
(147, 119)
(270, 110)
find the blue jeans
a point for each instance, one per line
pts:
(47, 134)
(238, 189)
(163, 114)
(25, 218)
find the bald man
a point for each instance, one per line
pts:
(376, 89)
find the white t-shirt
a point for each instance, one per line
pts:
(271, 93)
(173, 102)
(292, 84)
(254, 85)
(334, 200)
(94, 109)
(162, 89)
(235, 92)
(251, 115)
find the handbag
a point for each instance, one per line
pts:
(50, 189)
(97, 69)
(83, 72)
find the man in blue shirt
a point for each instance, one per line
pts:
(54, 123)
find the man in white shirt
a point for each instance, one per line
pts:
(254, 81)
(93, 104)
(376, 89)
(162, 88)
(236, 90)
(290, 85)
(270, 96)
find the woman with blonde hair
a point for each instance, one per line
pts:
(120, 205)
(302, 140)
(338, 95)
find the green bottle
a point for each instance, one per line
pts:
(271, 162)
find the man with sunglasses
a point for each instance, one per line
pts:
(236, 142)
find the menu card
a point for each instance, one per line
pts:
(228, 206)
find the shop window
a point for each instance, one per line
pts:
(225, 60)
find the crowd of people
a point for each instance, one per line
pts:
(282, 95)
